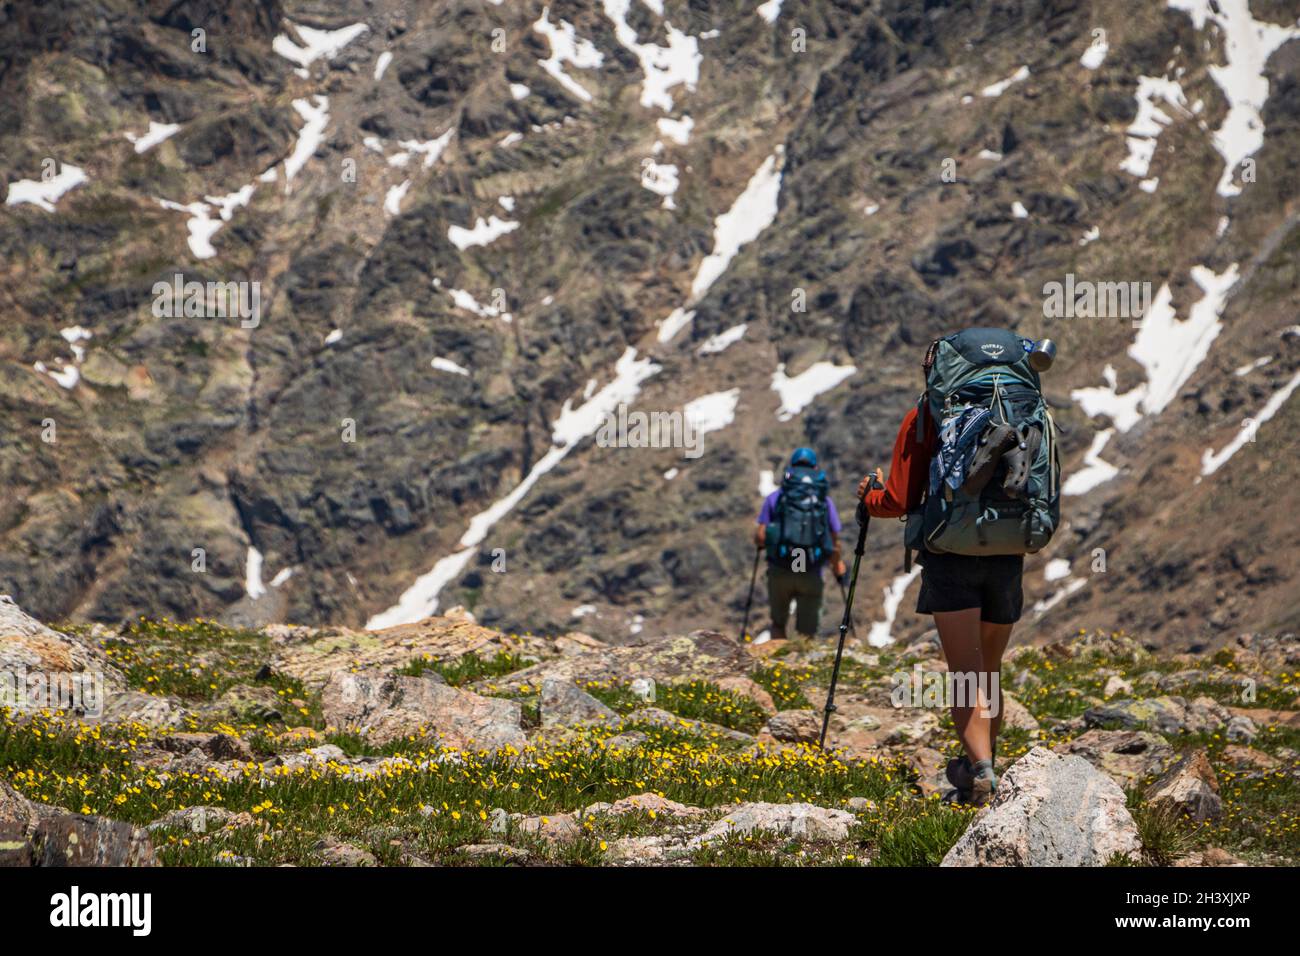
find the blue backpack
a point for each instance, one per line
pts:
(799, 535)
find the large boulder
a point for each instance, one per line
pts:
(34, 834)
(1049, 810)
(73, 670)
(314, 656)
(387, 708)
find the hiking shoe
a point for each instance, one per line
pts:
(1020, 459)
(996, 440)
(959, 773)
(983, 784)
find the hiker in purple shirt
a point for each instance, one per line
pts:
(800, 529)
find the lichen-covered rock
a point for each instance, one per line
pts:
(334, 852)
(387, 708)
(700, 655)
(44, 668)
(137, 707)
(1126, 756)
(1165, 715)
(801, 821)
(795, 726)
(245, 703)
(194, 819)
(658, 717)
(34, 834)
(1049, 810)
(313, 656)
(564, 704)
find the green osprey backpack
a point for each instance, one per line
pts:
(995, 479)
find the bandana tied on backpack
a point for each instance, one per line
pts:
(957, 438)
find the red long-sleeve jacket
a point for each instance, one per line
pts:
(908, 471)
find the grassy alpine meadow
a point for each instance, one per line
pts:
(275, 798)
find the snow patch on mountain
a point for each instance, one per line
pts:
(1212, 461)
(881, 632)
(45, 192)
(1143, 134)
(315, 116)
(1169, 350)
(481, 234)
(770, 10)
(797, 393)
(1095, 55)
(315, 43)
(678, 130)
(677, 64)
(394, 197)
(202, 227)
(1000, 87)
(718, 343)
(660, 179)
(70, 374)
(1095, 471)
(158, 132)
(567, 47)
(447, 365)
(712, 412)
(1247, 45)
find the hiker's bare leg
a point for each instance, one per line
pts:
(959, 633)
(994, 639)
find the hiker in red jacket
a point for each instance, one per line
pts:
(975, 602)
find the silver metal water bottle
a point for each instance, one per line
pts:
(1042, 355)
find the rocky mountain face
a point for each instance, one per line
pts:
(462, 234)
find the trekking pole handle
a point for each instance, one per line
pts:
(863, 516)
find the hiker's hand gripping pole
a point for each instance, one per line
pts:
(864, 520)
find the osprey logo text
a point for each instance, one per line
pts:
(992, 351)
(134, 910)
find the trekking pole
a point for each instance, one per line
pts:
(845, 597)
(864, 519)
(753, 576)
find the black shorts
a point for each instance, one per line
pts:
(955, 582)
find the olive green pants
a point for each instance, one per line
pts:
(804, 588)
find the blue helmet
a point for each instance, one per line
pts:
(804, 456)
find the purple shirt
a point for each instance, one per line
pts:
(769, 505)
